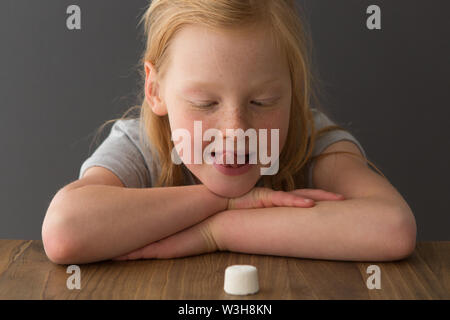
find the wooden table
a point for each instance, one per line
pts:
(26, 273)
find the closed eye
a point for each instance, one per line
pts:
(258, 103)
(203, 105)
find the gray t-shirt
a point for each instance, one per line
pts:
(137, 165)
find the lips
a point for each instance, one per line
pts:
(234, 157)
(231, 169)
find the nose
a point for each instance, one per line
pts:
(233, 117)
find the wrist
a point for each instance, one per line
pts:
(223, 202)
(217, 227)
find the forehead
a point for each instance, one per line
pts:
(198, 52)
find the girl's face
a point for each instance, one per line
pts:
(227, 79)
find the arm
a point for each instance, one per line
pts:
(355, 229)
(374, 223)
(98, 222)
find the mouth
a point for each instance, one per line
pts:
(234, 169)
(235, 164)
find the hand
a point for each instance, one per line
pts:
(194, 240)
(264, 198)
(199, 238)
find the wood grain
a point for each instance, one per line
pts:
(26, 273)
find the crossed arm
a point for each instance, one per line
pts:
(373, 223)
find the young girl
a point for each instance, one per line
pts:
(229, 64)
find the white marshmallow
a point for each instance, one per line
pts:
(241, 280)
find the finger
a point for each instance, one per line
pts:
(317, 194)
(145, 252)
(120, 258)
(286, 199)
(134, 255)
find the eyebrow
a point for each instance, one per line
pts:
(192, 85)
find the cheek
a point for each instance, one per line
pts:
(186, 121)
(180, 119)
(276, 120)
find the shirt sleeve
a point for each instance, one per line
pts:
(327, 139)
(119, 154)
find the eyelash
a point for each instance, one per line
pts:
(208, 105)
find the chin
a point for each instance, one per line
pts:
(229, 190)
(227, 186)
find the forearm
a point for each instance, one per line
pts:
(354, 229)
(98, 222)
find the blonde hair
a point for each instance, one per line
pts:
(283, 18)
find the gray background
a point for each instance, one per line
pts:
(389, 87)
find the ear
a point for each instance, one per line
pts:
(152, 90)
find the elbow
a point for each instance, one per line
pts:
(58, 243)
(401, 241)
(58, 247)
